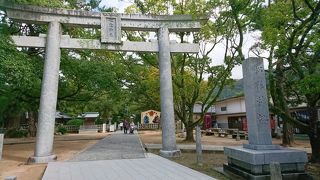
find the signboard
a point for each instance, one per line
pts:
(110, 28)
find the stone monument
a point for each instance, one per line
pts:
(252, 161)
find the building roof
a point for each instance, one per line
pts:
(230, 98)
(197, 109)
(60, 115)
(151, 110)
(90, 115)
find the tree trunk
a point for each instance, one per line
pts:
(189, 132)
(287, 138)
(315, 147)
(32, 128)
(314, 134)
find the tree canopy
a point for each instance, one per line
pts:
(120, 84)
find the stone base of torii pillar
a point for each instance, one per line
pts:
(252, 161)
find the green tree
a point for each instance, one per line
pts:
(189, 71)
(291, 32)
(86, 79)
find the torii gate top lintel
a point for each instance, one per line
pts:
(111, 25)
(131, 22)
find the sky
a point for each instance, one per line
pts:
(119, 4)
(218, 53)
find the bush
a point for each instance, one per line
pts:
(16, 133)
(99, 121)
(61, 129)
(75, 122)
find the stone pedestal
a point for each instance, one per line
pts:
(252, 161)
(255, 164)
(44, 159)
(171, 153)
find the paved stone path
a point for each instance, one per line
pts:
(119, 157)
(116, 146)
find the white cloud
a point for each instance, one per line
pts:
(249, 40)
(119, 4)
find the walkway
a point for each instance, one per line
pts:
(116, 146)
(119, 157)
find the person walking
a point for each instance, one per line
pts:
(125, 126)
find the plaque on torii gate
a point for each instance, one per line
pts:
(110, 28)
(111, 25)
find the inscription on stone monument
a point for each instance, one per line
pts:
(259, 69)
(262, 119)
(110, 28)
(259, 85)
(256, 102)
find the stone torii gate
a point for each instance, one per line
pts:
(111, 25)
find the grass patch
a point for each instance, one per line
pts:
(210, 161)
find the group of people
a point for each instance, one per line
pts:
(128, 126)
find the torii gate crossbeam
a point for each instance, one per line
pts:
(111, 25)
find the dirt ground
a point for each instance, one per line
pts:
(16, 152)
(154, 137)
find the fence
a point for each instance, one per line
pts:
(148, 126)
(97, 126)
(71, 128)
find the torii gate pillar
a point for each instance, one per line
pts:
(48, 100)
(169, 146)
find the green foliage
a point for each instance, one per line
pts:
(99, 121)
(75, 122)
(77, 4)
(89, 80)
(16, 133)
(19, 77)
(291, 34)
(43, 3)
(61, 129)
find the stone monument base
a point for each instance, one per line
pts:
(254, 164)
(41, 159)
(169, 154)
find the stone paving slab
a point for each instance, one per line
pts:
(152, 167)
(116, 146)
